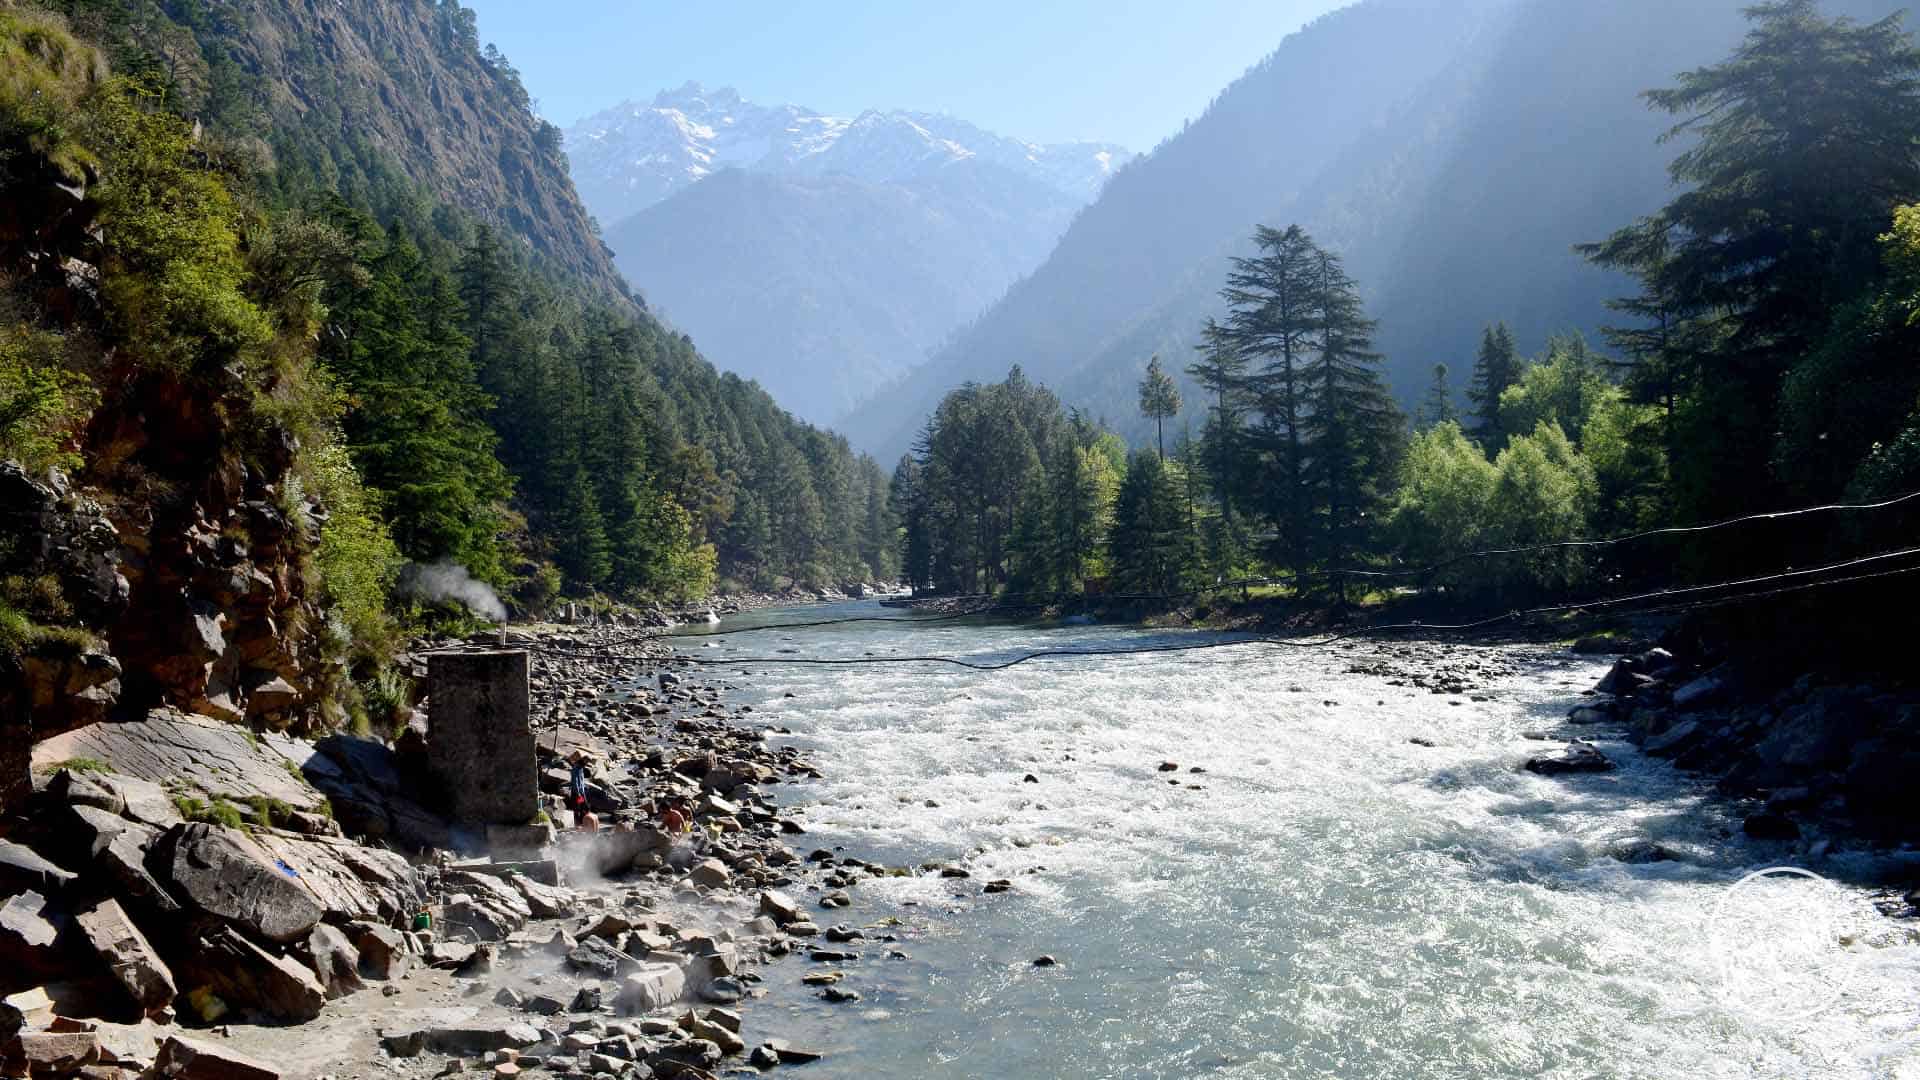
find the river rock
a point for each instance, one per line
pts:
(1676, 740)
(28, 1010)
(780, 908)
(710, 873)
(674, 1058)
(480, 1038)
(224, 872)
(654, 986)
(58, 1051)
(1577, 758)
(1700, 692)
(1594, 713)
(126, 953)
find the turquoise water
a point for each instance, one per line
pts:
(1332, 900)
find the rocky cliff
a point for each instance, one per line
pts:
(379, 100)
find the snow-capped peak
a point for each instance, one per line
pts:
(633, 155)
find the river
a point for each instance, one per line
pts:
(1328, 898)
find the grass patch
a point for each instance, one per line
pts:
(269, 811)
(78, 765)
(218, 812)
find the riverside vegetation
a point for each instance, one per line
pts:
(264, 371)
(1764, 364)
(262, 339)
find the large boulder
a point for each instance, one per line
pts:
(1818, 734)
(334, 960)
(247, 976)
(123, 863)
(126, 953)
(224, 872)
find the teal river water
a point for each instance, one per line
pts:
(1332, 901)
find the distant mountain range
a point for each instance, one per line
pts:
(823, 256)
(1453, 151)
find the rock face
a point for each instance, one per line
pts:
(169, 746)
(480, 747)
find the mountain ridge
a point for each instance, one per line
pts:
(631, 156)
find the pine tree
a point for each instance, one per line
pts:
(1354, 431)
(1159, 399)
(1496, 368)
(1438, 407)
(1152, 546)
(1802, 147)
(1271, 320)
(1222, 371)
(581, 549)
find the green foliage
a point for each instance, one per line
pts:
(1544, 493)
(1562, 389)
(43, 401)
(1159, 399)
(416, 420)
(1437, 407)
(1154, 549)
(1496, 368)
(172, 276)
(78, 765)
(356, 559)
(1443, 507)
(218, 812)
(1801, 149)
(45, 73)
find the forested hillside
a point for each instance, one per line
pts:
(1758, 358)
(825, 288)
(295, 389)
(1454, 155)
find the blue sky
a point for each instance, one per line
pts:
(1126, 71)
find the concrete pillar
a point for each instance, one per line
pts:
(480, 748)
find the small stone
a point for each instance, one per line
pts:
(1045, 960)
(839, 994)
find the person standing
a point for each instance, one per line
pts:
(577, 788)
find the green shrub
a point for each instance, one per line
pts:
(43, 401)
(356, 560)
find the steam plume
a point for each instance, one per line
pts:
(450, 581)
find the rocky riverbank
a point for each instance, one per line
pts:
(182, 889)
(1812, 759)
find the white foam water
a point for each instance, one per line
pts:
(1326, 899)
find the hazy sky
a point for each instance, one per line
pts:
(1126, 71)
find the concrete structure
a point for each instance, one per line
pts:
(479, 745)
